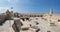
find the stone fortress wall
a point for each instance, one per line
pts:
(15, 22)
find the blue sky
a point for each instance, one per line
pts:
(30, 6)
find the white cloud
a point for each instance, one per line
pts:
(9, 1)
(12, 1)
(3, 9)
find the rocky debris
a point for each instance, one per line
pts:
(4, 17)
(15, 22)
(17, 25)
(7, 26)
